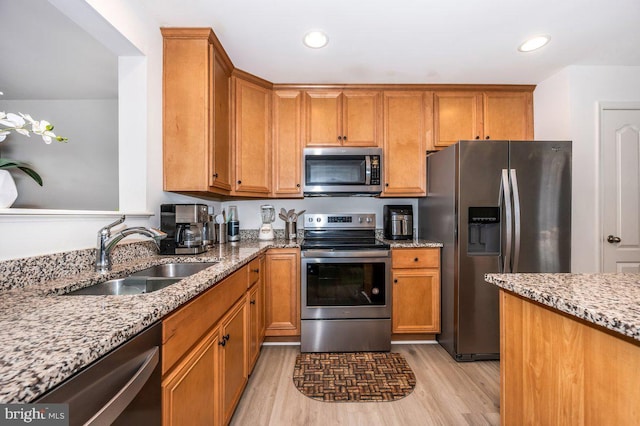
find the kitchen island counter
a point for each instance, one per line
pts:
(569, 348)
(611, 301)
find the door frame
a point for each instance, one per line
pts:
(602, 107)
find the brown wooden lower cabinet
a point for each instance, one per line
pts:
(232, 366)
(282, 292)
(207, 345)
(557, 369)
(190, 394)
(254, 300)
(416, 290)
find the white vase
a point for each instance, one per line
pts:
(8, 190)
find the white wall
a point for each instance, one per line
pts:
(81, 174)
(249, 210)
(566, 106)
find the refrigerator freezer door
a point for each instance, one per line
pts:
(543, 170)
(480, 166)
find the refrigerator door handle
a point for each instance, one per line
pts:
(505, 195)
(516, 220)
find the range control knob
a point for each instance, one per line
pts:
(368, 220)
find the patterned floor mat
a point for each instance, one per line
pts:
(353, 376)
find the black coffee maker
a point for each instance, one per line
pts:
(184, 226)
(398, 222)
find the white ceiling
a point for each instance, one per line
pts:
(413, 41)
(45, 55)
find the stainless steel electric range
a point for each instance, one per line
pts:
(346, 290)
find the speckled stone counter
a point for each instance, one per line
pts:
(608, 300)
(45, 336)
(415, 243)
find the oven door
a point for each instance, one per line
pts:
(345, 284)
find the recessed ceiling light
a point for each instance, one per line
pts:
(534, 43)
(315, 39)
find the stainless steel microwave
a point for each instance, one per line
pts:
(342, 171)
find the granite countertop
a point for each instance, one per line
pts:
(46, 337)
(608, 300)
(415, 243)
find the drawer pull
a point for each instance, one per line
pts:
(395, 281)
(224, 342)
(415, 260)
(252, 302)
(257, 270)
(226, 337)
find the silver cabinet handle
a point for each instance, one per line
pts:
(120, 401)
(613, 240)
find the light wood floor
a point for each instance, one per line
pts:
(446, 393)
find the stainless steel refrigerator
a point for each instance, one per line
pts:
(498, 207)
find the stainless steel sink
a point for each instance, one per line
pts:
(125, 286)
(171, 270)
(145, 281)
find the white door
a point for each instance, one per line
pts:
(620, 182)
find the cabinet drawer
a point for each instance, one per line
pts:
(183, 328)
(254, 272)
(415, 258)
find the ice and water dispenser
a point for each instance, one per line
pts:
(484, 231)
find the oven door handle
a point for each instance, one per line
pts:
(312, 253)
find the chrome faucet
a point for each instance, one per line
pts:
(106, 242)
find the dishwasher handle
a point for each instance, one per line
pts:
(116, 405)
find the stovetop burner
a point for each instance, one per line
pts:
(341, 231)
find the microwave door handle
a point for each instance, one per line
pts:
(367, 161)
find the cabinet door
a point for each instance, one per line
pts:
(233, 358)
(190, 392)
(262, 296)
(416, 301)
(252, 138)
(220, 176)
(508, 115)
(323, 118)
(287, 143)
(405, 134)
(186, 105)
(457, 115)
(253, 334)
(361, 118)
(282, 292)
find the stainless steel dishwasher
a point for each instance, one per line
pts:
(121, 388)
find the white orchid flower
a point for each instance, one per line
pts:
(15, 120)
(27, 117)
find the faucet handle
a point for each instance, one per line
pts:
(117, 222)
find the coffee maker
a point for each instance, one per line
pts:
(183, 224)
(398, 222)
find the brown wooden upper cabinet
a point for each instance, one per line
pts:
(252, 135)
(287, 143)
(343, 117)
(407, 132)
(196, 112)
(465, 115)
